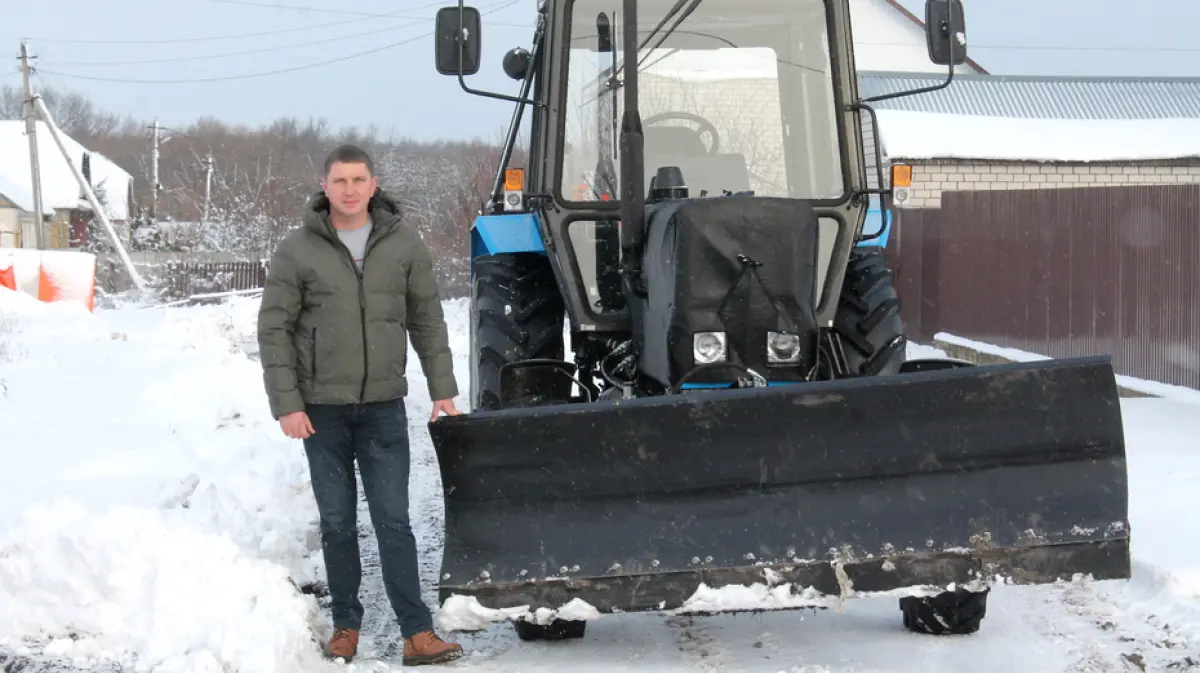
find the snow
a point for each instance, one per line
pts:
(21, 195)
(928, 135)
(147, 507)
(153, 515)
(59, 187)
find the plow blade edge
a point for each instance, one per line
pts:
(914, 480)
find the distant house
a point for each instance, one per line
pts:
(16, 212)
(63, 202)
(1024, 132)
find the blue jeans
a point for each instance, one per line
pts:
(377, 436)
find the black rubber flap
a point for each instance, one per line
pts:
(638, 501)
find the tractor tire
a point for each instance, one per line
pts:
(957, 612)
(516, 315)
(868, 317)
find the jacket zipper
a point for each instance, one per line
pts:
(362, 305)
(313, 373)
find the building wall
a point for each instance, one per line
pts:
(932, 177)
(10, 227)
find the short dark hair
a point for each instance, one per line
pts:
(349, 154)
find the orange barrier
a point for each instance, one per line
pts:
(50, 275)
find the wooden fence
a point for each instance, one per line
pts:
(1060, 272)
(180, 280)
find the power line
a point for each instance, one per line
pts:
(225, 78)
(204, 57)
(1025, 47)
(368, 15)
(302, 8)
(214, 38)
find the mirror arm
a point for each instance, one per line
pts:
(488, 94)
(946, 27)
(911, 92)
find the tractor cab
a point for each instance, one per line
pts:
(739, 95)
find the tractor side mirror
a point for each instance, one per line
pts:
(457, 40)
(945, 31)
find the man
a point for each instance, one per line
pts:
(344, 293)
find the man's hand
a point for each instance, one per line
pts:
(444, 407)
(296, 425)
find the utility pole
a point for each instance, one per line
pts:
(89, 194)
(35, 170)
(154, 174)
(208, 171)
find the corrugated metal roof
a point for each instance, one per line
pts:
(1039, 97)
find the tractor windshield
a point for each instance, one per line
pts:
(739, 95)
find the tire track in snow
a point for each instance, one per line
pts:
(698, 645)
(1123, 627)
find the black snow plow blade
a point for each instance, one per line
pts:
(922, 479)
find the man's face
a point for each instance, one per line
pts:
(349, 186)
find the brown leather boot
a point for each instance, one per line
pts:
(428, 648)
(344, 644)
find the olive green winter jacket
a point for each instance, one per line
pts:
(327, 335)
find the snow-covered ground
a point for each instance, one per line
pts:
(153, 518)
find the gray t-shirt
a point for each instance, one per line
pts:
(356, 241)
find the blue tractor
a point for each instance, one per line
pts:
(687, 361)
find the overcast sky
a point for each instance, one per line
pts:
(395, 86)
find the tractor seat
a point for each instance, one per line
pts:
(681, 146)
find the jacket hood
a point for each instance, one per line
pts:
(385, 213)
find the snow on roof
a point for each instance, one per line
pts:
(20, 195)
(1038, 96)
(59, 188)
(928, 135)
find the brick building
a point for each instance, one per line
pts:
(1024, 132)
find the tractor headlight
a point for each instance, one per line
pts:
(708, 347)
(782, 348)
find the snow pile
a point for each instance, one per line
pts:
(137, 581)
(928, 135)
(465, 613)
(151, 506)
(759, 596)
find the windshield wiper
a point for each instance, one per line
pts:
(613, 82)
